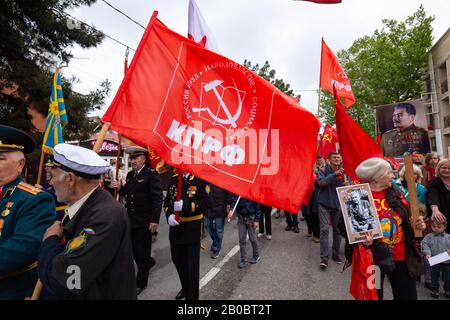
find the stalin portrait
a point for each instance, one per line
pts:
(406, 136)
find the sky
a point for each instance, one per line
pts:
(286, 33)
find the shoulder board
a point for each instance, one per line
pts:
(28, 188)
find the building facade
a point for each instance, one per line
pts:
(436, 95)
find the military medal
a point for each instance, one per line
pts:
(6, 212)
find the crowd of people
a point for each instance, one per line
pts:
(90, 248)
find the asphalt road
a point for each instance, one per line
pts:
(288, 269)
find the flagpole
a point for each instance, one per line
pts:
(125, 68)
(101, 137)
(320, 80)
(41, 166)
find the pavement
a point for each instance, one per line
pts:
(288, 269)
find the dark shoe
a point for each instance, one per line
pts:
(242, 264)
(296, 230)
(154, 236)
(180, 295)
(152, 262)
(428, 285)
(139, 290)
(288, 228)
(434, 294)
(337, 259)
(215, 254)
(254, 260)
(323, 263)
(316, 240)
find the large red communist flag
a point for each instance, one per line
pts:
(208, 115)
(355, 144)
(332, 75)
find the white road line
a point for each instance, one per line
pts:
(216, 269)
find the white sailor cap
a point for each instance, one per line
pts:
(81, 161)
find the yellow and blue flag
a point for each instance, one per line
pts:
(56, 116)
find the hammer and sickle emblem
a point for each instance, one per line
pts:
(230, 118)
(327, 137)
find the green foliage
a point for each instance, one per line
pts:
(269, 75)
(33, 34)
(385, 68)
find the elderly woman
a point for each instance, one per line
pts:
(429, 167)
(392, 207)
(438, 197)
(402, 186)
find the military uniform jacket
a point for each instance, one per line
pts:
(143, 197)
(412, 139)
(97, 243)
(26, 213)
(195, 196)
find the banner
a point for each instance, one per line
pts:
(56, 116)
(356, 145)
(210, 116)
(328, 141)
(332, 75)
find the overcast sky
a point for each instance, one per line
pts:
(285, 32)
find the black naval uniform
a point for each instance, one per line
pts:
(185, 237)
(97, 241)
(143, 200)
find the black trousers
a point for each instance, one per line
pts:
(141, 239)
(403, 285)
(186, 258)
(267, 218)
(312, 222)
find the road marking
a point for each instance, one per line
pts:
(216, 269)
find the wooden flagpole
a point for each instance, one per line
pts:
(409, 175)
(125, 68)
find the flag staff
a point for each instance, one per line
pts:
(125, 68)
(38, 288)
(320, 81)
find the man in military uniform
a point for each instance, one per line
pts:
(185, 217)
(143, 200)
(88, 255)
(405, 137)
(25, 214)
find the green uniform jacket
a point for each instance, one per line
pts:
(26, 215)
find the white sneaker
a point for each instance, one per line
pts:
(260, 235)
(269, 236)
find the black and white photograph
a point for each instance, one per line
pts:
(358, 210)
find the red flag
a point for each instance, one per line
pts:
(362, 286)
(328, 141)
(205, 114)
(332, 74)
(324, 1)
(198, 30)
(356, 145)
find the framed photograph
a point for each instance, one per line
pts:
(359, 213)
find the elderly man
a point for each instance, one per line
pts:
(143, 200)
(405, 137)
(25, 214)
(87, 255)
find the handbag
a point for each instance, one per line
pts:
(382, 254)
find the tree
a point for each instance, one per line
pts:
(269, 75)
(33, 34)
(385, 68)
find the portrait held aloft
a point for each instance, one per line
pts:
(402, 127)
(359, 213)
